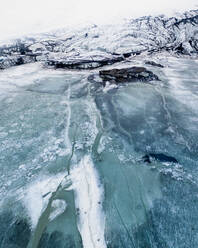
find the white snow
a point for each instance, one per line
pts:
(59, 207)
(88, 199)
(25, 16)
(109, 87)
(37, 196)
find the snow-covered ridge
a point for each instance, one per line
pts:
(95, 46)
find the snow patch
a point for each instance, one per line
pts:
(109, 87)
(37, 196)
(88, 200)
(59, 207)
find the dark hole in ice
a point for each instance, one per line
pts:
(160, 157)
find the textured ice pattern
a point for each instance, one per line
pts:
(83, 164)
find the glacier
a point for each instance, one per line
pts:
(98, 136)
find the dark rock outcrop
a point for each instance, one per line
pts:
(154, 64)
(84, 63)
(8, 61)
(132, 74)
(159, 157)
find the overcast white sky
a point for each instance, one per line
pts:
(18, 17)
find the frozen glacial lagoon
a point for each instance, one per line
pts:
(72, 172)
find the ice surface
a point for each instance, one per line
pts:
(75, 148)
